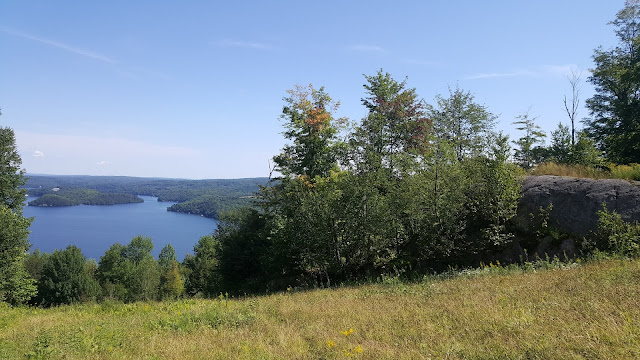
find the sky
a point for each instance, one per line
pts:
(194, 89)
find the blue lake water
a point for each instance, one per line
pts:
(94, 228)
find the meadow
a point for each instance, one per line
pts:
(557, 311)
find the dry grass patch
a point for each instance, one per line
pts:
(626, 172)
(580, 312)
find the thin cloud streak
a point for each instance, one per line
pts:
(500, 75)
(62, 46)
(362, 47)
(243, 44)
(544, 70)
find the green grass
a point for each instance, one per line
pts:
(626, 172)
(574, 311)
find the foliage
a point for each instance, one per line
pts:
(166, 257)
(310, 125)
(130, 273)
(395, 127)
(614, 108)
(71, 197)
(464, 123)
(172, 285)
(203, 268)
(242, 250)
(527, 153)
(66, 278)
(616, 235)
(563, 151)
(15, 284)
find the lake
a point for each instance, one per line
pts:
(94, 228)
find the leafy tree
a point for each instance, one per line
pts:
(172, 283)
(15, 284)
(34, 262)
(114, 272)
(139, 248)
(310, 125)
(464, 123)
(203, 268)
(395, 126)
(615, 107)
(243, 251)
(130, 272)
(527, 153)
(66, 278)
(560, 150)
(167, 257)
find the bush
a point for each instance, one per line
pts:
(617, 236)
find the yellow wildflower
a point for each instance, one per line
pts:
(331, 343)
(347, 332)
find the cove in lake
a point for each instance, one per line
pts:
(94, 228)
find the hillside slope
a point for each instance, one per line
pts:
(568, 312)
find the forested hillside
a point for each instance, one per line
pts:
(71, 197)
(200, 197)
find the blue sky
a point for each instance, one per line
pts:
(193, 89)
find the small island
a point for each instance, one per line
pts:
(73, 197)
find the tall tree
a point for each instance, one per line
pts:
(467, 125)
(395, 127)
(15, 284)
(571, 107)
(615, 107)
(310, 125)
(66, 278)
(527, 152)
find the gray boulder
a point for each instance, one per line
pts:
(576, 201)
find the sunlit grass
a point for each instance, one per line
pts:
(569, 312)
(627, 172)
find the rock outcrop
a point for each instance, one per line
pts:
(576, 201)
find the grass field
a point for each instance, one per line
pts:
(626, 172)
(589, 311)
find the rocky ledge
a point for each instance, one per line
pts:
(576, 201)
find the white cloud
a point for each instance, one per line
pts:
(59, 45)
(363, 47)
(243, 44)
(544, 70)
(37, 153)
(87, 155)
(500, 75)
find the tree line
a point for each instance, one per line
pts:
(412, 187)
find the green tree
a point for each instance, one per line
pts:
(15, 284)
(243, 251)
(172, 283)
(462, 122)
(560, 150)
(310, 126)
(66, 278)
(615, 107)
(527, 153)
(130, 272)
(203, 268)
(167, 257)
(395, 127)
